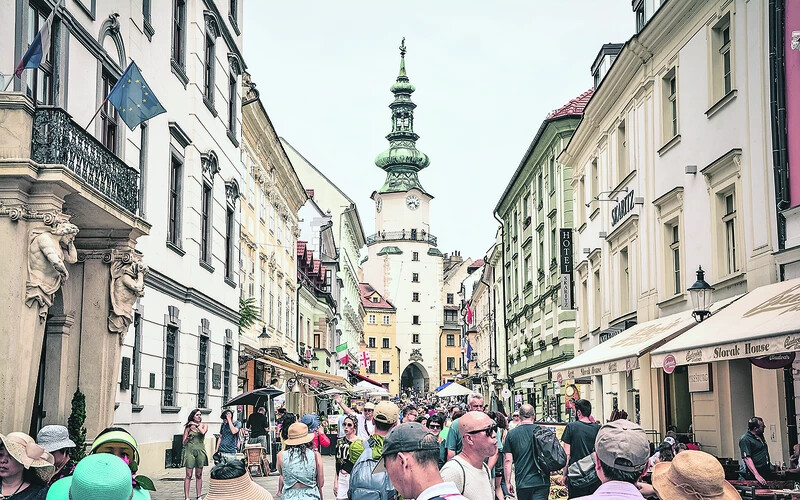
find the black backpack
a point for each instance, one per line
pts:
(547, 451)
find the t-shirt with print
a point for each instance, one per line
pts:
(519, 443)
(475, 484)
(343, 462)
(580, 437)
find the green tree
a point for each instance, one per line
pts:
(248, 313)
(77, 432)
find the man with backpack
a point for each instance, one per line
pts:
(410, 458)
(365, 455)
(578, 439)
(467, 470)
(533, 452)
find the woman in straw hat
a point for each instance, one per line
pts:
(300, 467)
(102, 476)
(230, 481)
(692, 475)
(25, 467)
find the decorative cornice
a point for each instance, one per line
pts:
(232, 191)
(166, 285)
(110, 255)
(25, 212)
(212, 23)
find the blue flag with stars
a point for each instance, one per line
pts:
(133, 98)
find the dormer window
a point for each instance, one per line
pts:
(376, 299)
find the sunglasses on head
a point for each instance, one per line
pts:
(489, 430)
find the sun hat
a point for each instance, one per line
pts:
(235, 488)
(118, 437)
(369, 406)
(298, 434)
(410, 436)
(622, 440)
(54, 437)
(694, 475)
(102, 476)
(311, 420)
(386, 412)
(32, 456)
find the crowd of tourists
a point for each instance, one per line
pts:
(385, 452)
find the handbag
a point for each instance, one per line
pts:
(582, 473)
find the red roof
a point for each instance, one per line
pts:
(573, 107)
(476, 264)
(301, 247)
(367, 293)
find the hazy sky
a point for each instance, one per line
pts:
(486, 73)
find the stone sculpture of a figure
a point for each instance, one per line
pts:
(127, 285)
(48, 254)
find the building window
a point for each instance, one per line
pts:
(289, 312)
(136, 359)
(230, 221)
(553, 240)
(233, 12)
(415, 277)
(280, 311)
(208, 70)
(415, 338)
(226, 377)
(540, 237)
(582, 200)
(415, 320)
(451, 340)
(328, 280)
(205, 227)
(175, 203)
(729, 224)
(271, 218)
(526, 271)
(595, 179)
(450, 298)
(232, 103)
(317, 341)
(526, 200)
(261, 303)
(271, 299)
(670, 93)
(109, 117)
(371, 342)
(597, 301)
(450, 316)
(414, 256)
(39, 82)
(552, 174)
(415, 297)
(722, 64)
(385, 344)
(387, 367)
(638, 9)
(540, 189)
(179, 32)
(451, 363)
(675, 251)
(170, 364)
(622, 151)
(376, 299)
(386, 320)
(372, 319)
(371, 368)
(624, 281)
(202, 373)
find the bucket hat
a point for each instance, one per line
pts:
(32, 456)
(121, 438)
(298, 434)
(236, 489)
(311, 420)
(53, 438)
(693, 475)
(101, 477)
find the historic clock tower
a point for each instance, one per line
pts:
(403, 263)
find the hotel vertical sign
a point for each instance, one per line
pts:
(565, 254)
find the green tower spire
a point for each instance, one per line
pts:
(402, 160)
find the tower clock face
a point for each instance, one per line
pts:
(379, 204)
(412, 202)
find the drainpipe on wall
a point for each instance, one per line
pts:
(505, 326)
(777, 103)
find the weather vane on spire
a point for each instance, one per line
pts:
(403, 47)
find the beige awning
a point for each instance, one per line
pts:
(762, 322)
(621, 352)
(333, 380)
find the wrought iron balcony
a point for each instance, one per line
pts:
(402, 235)
(57, 139)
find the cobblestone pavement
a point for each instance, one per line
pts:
(169, 483)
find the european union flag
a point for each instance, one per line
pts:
(133, 98)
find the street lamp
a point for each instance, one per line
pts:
(264, 334)
(701, 294)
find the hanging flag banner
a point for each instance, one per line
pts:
(364, 358)
(341, 352)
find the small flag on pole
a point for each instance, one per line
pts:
(341, 352)
(133, 98)
(39, 47)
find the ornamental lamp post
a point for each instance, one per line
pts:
(701, 294)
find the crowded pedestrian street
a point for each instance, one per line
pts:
(360, 250)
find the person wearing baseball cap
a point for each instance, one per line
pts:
(386, 416)
(622, 453)
(411, 458)
(366, 420)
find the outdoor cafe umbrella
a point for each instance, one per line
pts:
(254, 397)
(454, 390)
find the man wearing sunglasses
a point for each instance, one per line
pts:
(366, 420)
(467, 469)
(454, 441)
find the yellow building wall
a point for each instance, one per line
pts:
(379, 354)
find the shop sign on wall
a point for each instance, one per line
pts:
(700, 378)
